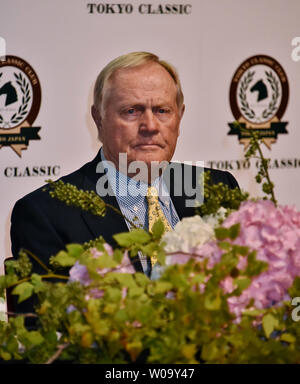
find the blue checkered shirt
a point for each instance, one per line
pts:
(134, 205)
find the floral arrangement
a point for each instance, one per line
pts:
(221, 291)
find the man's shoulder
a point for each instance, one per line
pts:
(216, 175)
(41, 194)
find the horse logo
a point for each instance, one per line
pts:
(261, 88)
(20, 100)
(259, 93)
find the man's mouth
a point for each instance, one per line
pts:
(148, 145)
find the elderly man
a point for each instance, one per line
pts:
(138, 106)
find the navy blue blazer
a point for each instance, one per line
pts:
(44, 225)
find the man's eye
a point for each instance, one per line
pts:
(130, 111)
(162, 110)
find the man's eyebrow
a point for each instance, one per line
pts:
(132, 105)
(142, 106)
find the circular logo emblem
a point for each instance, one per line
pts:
(259, 95)
(20, 101)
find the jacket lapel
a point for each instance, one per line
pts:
(112, 223)
(174, 179)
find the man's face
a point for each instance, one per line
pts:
(140, 115)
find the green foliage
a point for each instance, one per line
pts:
(170, 320)
(254, 151)
(270, 323)
(183, 317)
(232, 233)
(136, 236)
(140, 240)
(23, 290)
(219, 195)
(93, 243)
(22, 266)
(71, 195)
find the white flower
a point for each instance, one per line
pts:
(189, 233)
(214, 220)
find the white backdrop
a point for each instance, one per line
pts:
(67, 46)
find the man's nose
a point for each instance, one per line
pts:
(148, 122)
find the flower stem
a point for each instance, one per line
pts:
(48, 276)
(56, 355)
(266, 172)
(255, 146)
(121, 214)
(44, 266)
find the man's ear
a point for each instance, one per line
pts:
(97, 119)
(182, 111)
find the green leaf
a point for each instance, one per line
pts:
(158, 229)
(64, 259)
(24, 290)
(125, 279)
(113, 294)
(234, 231)
(144, 313)
(136, 292)
(118, 255)
(161, 257)
(210, 351)
(162, 287)
(189, 351)
(295, 288)
(212, 302)
(75, 250)
(5, 355)
(34, 338)
(3, 285)
(253, 312)
(105, 261)
(241, 250)
(221, 233)
(198, 279)
(269, 324)
(255, 267)
(225, 245)
(123, 239)
(37, 283)
(12, 345)
(134, 349)
(136, 236)
(134, 250)
(287, 337)
(121, 316)
(149, 249)
(141, 279)
(242, 284)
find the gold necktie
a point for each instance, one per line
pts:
(154, 213)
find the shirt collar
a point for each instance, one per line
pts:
(132, 192)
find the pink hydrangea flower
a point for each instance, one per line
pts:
(80, 272)
(126, 265)
(274, 232)
(96, 253)
(94, 293)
